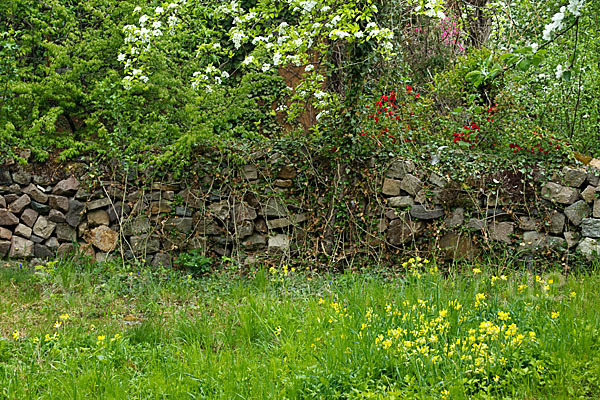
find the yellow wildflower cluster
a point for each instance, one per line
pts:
(414, 266)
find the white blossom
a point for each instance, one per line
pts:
(143, 19)
(137, 9)
(156, 24)
(559, 71)
(266, 67)
(172, 20)
(248, 60)
(159, 10)
(121, 57)
(309, 68)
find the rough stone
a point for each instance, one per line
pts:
(35, 193)
(589, 247)
(66, 233)
(143, 244)
(20, 248)
(43, 228)
(75, 213)
(401, 232)
(4, 247)
(596, 212)
(82, 229)
(41, 180)
(244, 229)
(421, 212)
(254, 242)
(249, 172)
(261, 225)
(590, 227)
(10, 197)
(527, 224)
(180, 212)
(23, 231)
(279, 243)
(29, 217)
(287, 172)
(283, 183)
(437, 180)
(476, 224)
(572, 238)
(105, 239)
(557, 222)
(55, 216)
(243, 212)
(163, 206)
(457, 246)
(161, 259)
(533, 240)
(391, 187)
(191, 198)
(220, 210)
(95, 204)
(21, 177)
(391, 214)
(65, 250)
(2, 202)
(399, 168)
(401, 201)
(40, 208)
(411, 184)
(183, 225)
(593, 176)
(576, 212)
(66, 187)
(574, 177)
(5, 234)
(5, 178)
(36, 239)
(501, 231)
(18, 205)
(589, 194)
(560, 194)
(274, 207)
(97, 218)
(41, 251)
(209, 226)
(382, 225)
(165, 187)
(52, 243)
(278, 223)
(7, 218)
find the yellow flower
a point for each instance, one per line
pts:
(57, 324)
(321, 301)
(16, 335)
(443, 313)
(503, 315)
(116, 337)
(278, 331)
(476, 270)
(64, 317)
(522, 287)
(100, 340)
(546, 288)
(538, 279)
(572, 295)
(555, 314)
(550, 281)
(92, 327)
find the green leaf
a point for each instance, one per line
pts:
(566, 75)
(524, 64)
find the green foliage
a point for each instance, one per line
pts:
(195, 261)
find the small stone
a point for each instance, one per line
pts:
(391, 214)
(4, 247)
(557, 222)
(7, 218)
(278, 223)
(41, 251)
(52, 243)
(283, 183)
(590, 227)
(244, 229)
(67, 187)
(475, 224)
(533, 240)
(43, 228)
(572, 238)
(23, 231)
(97, 218)
(401, 232)
(502, 231)
(437, 180)
(243, 212)
(593, 176)
(560, 194)
(20, 248)
(18, 205)
(596, 212)
(105, 239)
(456, 219)
(457, 246)
(10, 197)
(576, 212)
(161, 259)
(391, 187)
(589, 194)
(41, 180)
(400, 201)
(249, 172)
(40, 208)
(65, 250)
(119, 211)
(589, 247)
(574, 177)
(279, 243)
(183, 211)
(255, 242)
(66, 233)
(144, 244)
(411, 184)
(29, 217)
(163, 206)
(75, 213)
(36, 239)
(136, 225)
(165, 187)
(95, 204)
(287, 172)
(382, 225)
(21, 177)
(527, 224)
(82, 195)
(220, 210)
(35, 193)
(274, 208)
(183, 225)
(55, 216)
(5, 179)
(421, 212)
(82, 229)
(5, 234)
(399, 168)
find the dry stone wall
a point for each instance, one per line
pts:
(44, 218)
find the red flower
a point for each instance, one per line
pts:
(408, 87)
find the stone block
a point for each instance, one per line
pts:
(501, 231)
(19, 205)
(391, 187)
(99, 203)
(590, 228)
(105, 239)
(457, 246)
(21, 177)
(574, 177)
(249, 172)
(162, 206)
(183, 225)
(287, 172)
(254, 242)
(7, 218)
(52, 243)
(66, 233)
(220, 210)
(4, 247)
(5, 234)
(66, 187)
(23, 231)
(145, 244)
(577, 211)
(401, 201)
(35, 193)
(182, 211)
(97, 218)
(29, 217)
(41, 251)
(40, 208)
(590, 193)
(283, 183)
(589, 248)
(399, 168)
(557, 222)
(561, 194)
(274, 207)
(75, 213)
(43, 227)
(401, 232)
(279, 243)
(596, 212)
(20, 248)
(411, 184)
(527, 224)
(421, 212)
(56, 216)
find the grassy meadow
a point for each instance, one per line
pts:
(71, 330)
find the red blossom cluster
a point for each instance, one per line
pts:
(538, 148)
(465, 134)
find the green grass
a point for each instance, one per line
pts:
(139, 332)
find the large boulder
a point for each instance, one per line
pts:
(104, 238)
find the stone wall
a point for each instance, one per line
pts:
(43, 217)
